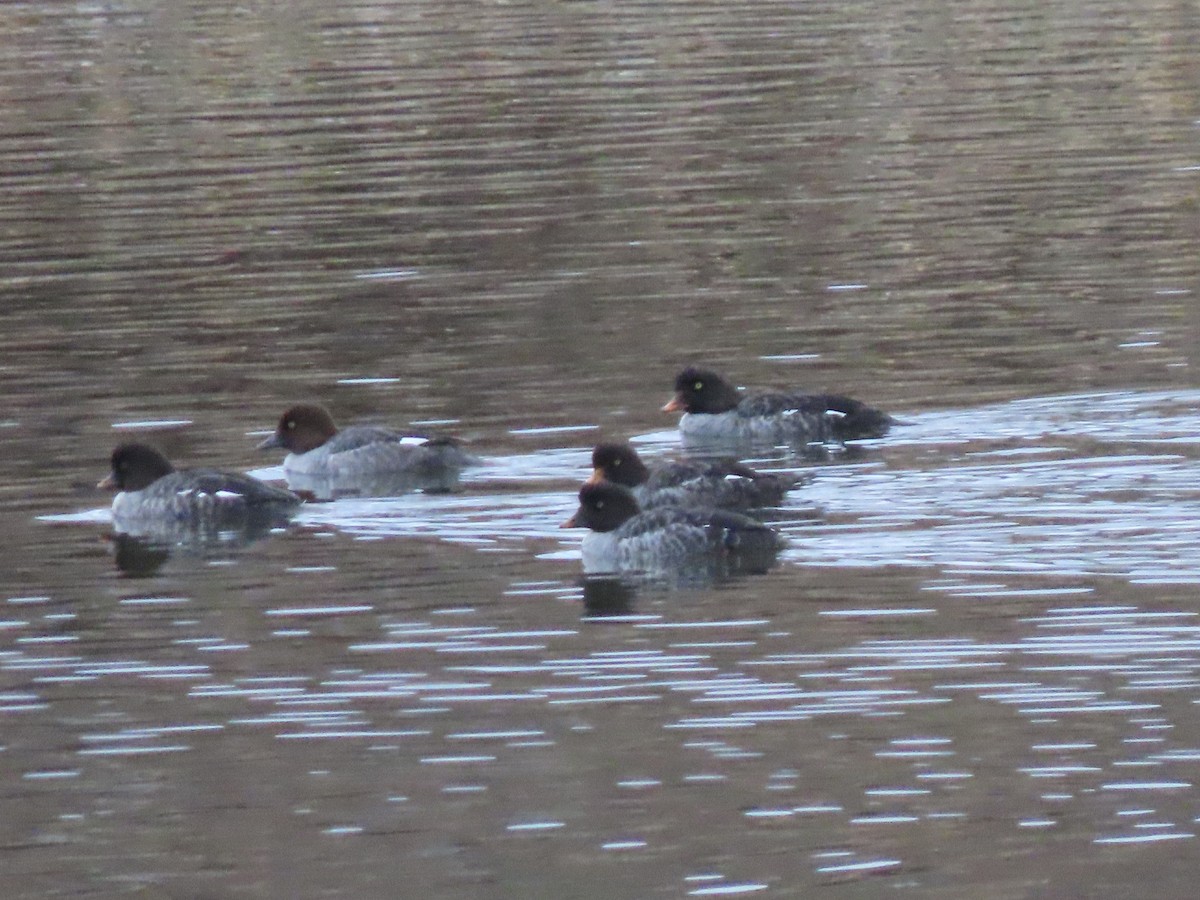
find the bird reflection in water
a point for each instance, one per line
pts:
(611, 595)
(136, 557)
(606, 596)
(384, 484)
(142, 554)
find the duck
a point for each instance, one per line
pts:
(724, 484)
(623, 538)
(157, 500)
(714, 411)
(361, 459)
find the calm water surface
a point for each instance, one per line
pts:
(975, 669)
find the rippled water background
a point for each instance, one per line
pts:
(975, 671)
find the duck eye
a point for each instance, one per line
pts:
(599, 504)
(291, 424)
(697, 385)
(616, 462)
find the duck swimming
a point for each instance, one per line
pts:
(362, 458)
(726, 484)
(714, 411)
(623, 538)
(154, 498)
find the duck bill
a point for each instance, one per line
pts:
(570, 523)
(107, 483)
(675, 404)
(270, 443)
(597, 477)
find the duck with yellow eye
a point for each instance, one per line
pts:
(724, 484)
(623, 539)
(362, 460)
(715, 412)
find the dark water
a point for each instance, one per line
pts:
(976, 669)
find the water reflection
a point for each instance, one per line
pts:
(143, 555)
(605, 596)
(695, 571)
(138, 558)
(1084, 485)
(609, 595)
(986, 641)
(949, 489)
(199, 536)
(1089, 484)
(316, 487)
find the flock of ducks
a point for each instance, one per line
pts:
(639, 517)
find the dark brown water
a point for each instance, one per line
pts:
(974, 672)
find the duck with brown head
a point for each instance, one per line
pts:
(368, 460)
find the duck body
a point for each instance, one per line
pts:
(362, 459)
(367, 450)
(725, 484)
(154, 499)
(715, 412)
(622, 538)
